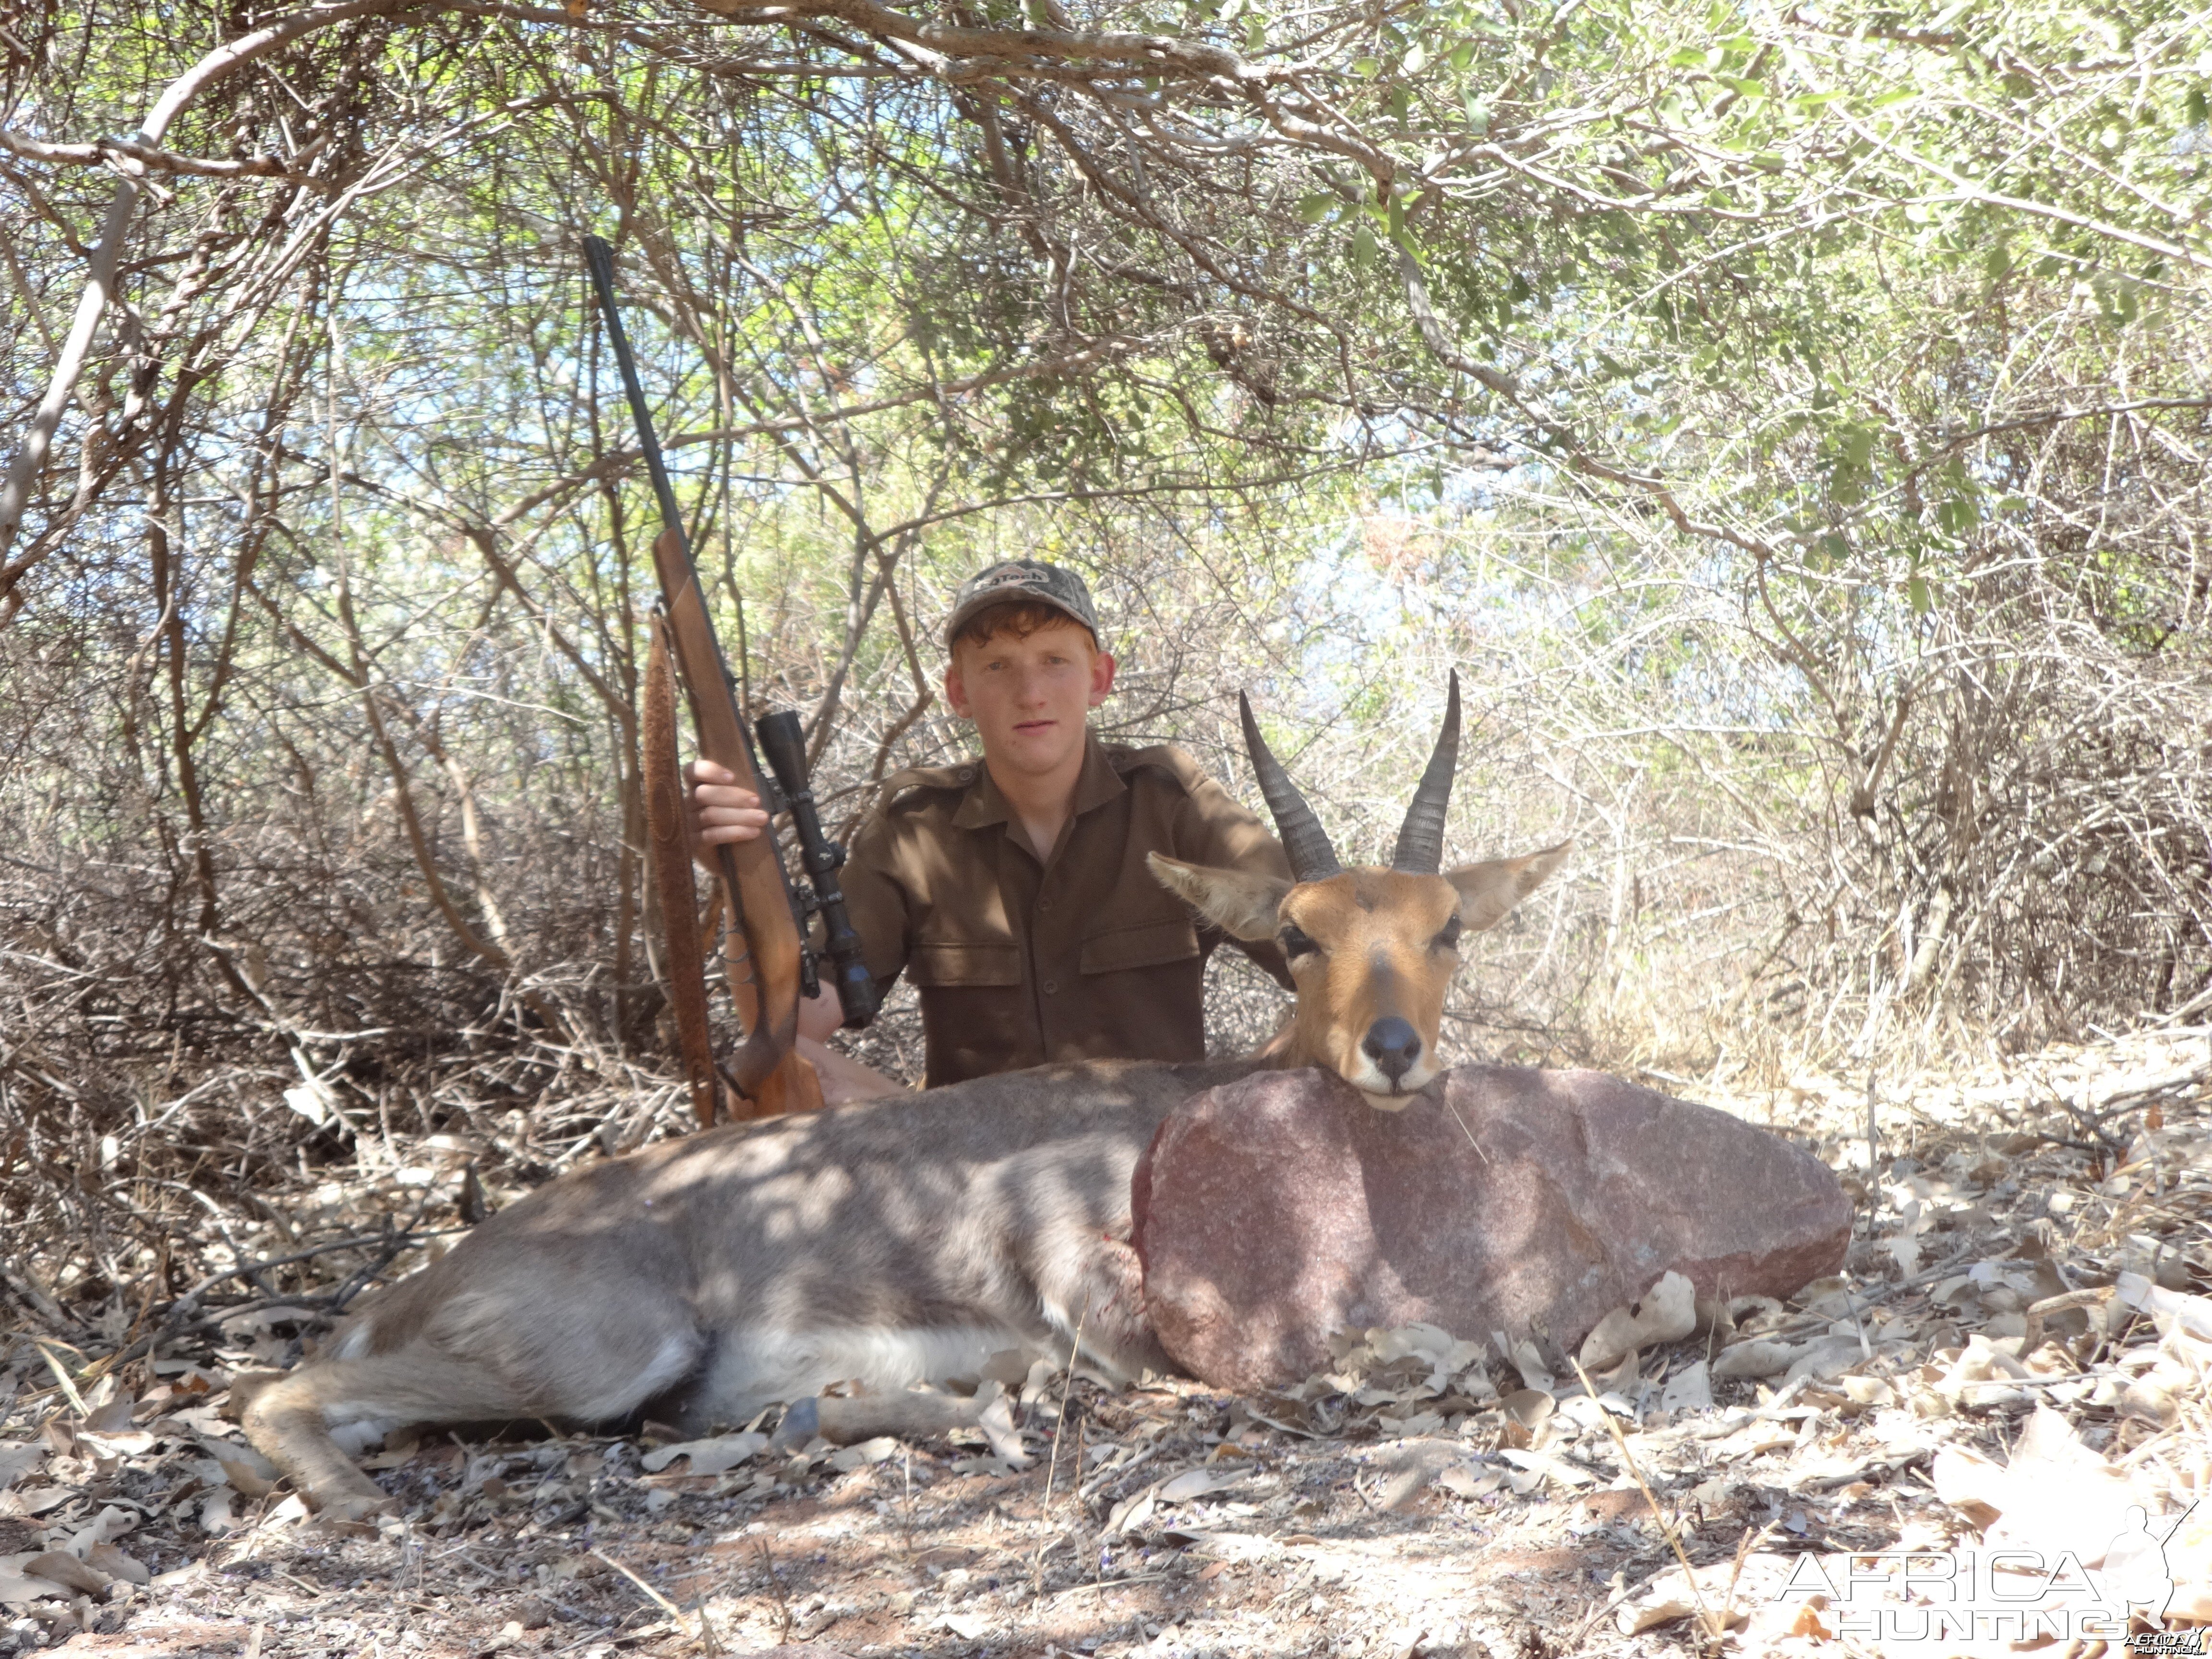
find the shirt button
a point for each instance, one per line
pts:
(1051, 986)
(967, 774)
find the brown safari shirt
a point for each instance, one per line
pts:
(1083, 956)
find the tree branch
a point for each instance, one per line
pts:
(99, 281)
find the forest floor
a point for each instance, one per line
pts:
(2016, 1354)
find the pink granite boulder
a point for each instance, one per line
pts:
(1277, 1209)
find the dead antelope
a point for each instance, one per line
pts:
(896, 1241)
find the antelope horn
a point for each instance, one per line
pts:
(1312, 858)
(1420, 849)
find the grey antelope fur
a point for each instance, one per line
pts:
(895, 1241)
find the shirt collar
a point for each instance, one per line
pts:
(1096, 785)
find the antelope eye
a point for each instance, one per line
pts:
(1296, 941)
(1448, 937)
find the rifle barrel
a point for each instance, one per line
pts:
(601, 260)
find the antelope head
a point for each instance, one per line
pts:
(1372, 950)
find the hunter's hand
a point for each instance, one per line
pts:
(722, 814)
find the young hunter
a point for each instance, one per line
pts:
(1014, 892)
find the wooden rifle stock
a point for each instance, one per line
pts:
(760, 957)
(761, 948)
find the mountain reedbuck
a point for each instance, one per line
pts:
(897, 1241)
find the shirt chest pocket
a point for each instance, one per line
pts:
(1143, 945)
(957, 963)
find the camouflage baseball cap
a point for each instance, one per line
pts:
(1019, 582)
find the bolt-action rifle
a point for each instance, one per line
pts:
(766, 958)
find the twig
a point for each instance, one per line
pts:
(1052, 1465)
(1092, 1487)
(906, 1514)
(1743, 1545)
(775, 1589)
(1103, 1583)
(249, 1268)
(1869, 1298)
(396, 1244)
(1713, 1630)
(62, 1376)
(1618, 1599)
(333, 1302)
(40, 1303)
(705, 1630)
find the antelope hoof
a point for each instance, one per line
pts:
(352, 1505)
(351, 1496)
(802, 1421)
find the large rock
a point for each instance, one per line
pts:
(1277, 1210)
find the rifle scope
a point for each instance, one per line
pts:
(784, 746)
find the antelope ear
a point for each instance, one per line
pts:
(1244, 904)
(1489, 891)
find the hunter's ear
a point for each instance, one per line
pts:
(1489, 891)
(1243, 904)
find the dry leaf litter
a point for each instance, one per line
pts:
(2016, 1352)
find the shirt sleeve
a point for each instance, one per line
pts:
(1221, 831)
(875, 900)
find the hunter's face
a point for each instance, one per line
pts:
(1029, 696)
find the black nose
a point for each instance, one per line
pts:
(1394, 1046)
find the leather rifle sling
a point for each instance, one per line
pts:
(669, 834)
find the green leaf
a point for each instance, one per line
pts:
(1478, 114)
(1364, 248)
(1461, 54)
(1415, 58)
(1959, 516)
(1366, 68)
(1917, 595)
(1316, 207)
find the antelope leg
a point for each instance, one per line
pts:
(907, 1415)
